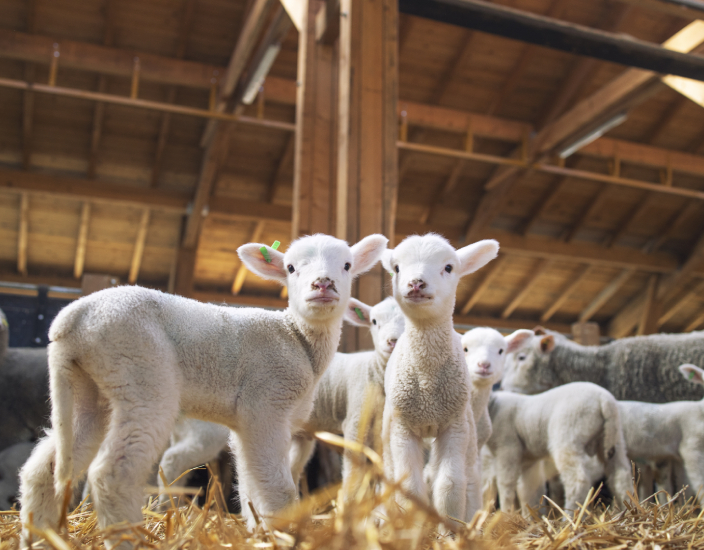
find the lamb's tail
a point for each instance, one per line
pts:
(66, 320)
(61, 389)
(614, 456)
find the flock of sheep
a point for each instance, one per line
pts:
(134, 371)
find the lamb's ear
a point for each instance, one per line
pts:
(547, 343)
(358, 313)
(692, 373)
(367, 252)
(539, 331)
(518, 339)
(252, 256)
(477, 255)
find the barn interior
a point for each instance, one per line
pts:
(143, 142)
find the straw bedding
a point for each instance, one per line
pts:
(350, 520)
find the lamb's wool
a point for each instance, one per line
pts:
(640, 368)
(124, 362)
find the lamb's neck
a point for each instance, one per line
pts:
(480, 398)
(319, 339)
(573, 362)
(431, 339)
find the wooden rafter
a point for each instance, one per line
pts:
(526, 287)
(82, 241)
(491, 272)
(673, 224)
(677, 306)
(254, 237)
(677, 8)
(636, 212)
(565, 294)
(588, 212)
(140, 241)
(22, 234)
(695, 323)
(605, 295)
(649, 314)
(28, 96)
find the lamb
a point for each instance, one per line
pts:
(427, 383)
(567, 424)
(125, 361)
(337, 406)
(640, 368)
(485, 351)
(662, 433)
(343, 389)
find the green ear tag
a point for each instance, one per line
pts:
(691, 375)
(276, 245)
(359, 313)
(265, 253)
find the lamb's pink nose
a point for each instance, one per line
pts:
(392, 342)
(484, 366)
(416, 284)
(322, 284)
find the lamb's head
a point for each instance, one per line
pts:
(318, 270)
(527, 370)
(692, 373)
(486, 349)
(385, 321)
(427, 269)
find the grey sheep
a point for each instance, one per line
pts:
(641, 368)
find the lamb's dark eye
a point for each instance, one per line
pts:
(396, 269)
(466, 350)
(347, 266)
(521, 357)
(501, 351)
(291, 269)
(448, 268)
(374, 321)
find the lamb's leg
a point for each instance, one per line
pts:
(406, 452)
(618, 475)
(263, 468)
(302, 448)
(531, 486)
(139, 429)
(450, 450)
(574, 475)
(38, 497)
(693, 459)
(473, 463)
(663, 479)
(508, 469)
(199, 443)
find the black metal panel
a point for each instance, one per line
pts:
(552, 33)
(29, 318)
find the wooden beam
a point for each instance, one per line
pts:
(680, 303)
(241, 275)
(97, 131)
(526, 287)
(686, 9)
(22, 234)
(543, 203)
(588, 212)
(82, 241)
(138, 252)
(695, 323)
(551, 33)
(459, 59)
(605, 295)
(185, 269)
(446, 189)
(327, 22)
(462, 321)
(569, 289)
(490, 273)
(284, 162)
(649, 315)
(636, 212)
(673, 224)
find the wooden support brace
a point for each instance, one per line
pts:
(241, 274)
(649, 314)
(54, 65)
(562, 298)
(695, 323)
(134, 88)
(490, 273)
(82, 241)
(139, 247)
(526, 287)
(605, 295)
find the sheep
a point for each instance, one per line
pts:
(662, 433)
(11, 459)
(125, 361)
(485, 351)
(427, 383)
(351, 379)
(641, 368)
(567, 424)
(337, 405)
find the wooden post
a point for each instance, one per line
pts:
(586, 334)
(347, 95)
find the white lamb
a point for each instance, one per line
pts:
(485, 352)
(427, 383)
(338, 403)
(349, 381)
(123, 362)
(663, 432)
(568, 424)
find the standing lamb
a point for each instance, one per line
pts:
(345, 386)
(567, 424)
(124, 361)
(485, 351)
(641, 368)
(663, 433)
(427, 384)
